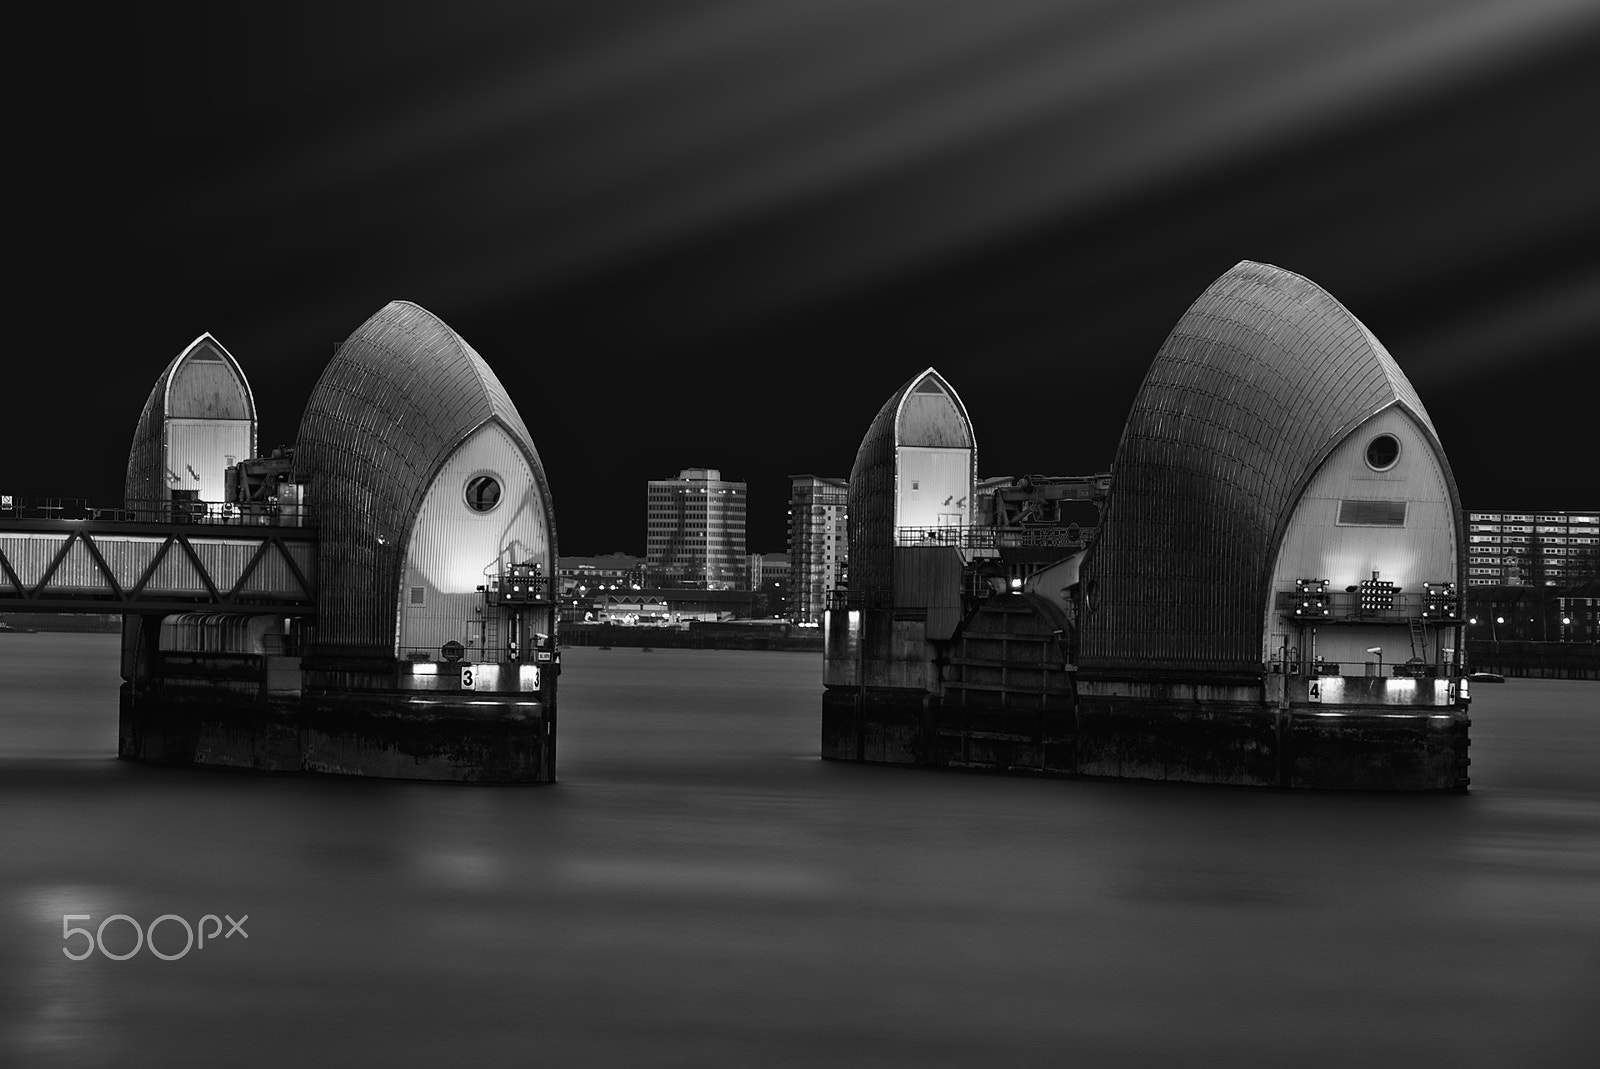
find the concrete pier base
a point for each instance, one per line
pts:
(1217, 739)
(486, 739)
(884, 725)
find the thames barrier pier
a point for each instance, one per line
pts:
(1270, 596)
(375, 601)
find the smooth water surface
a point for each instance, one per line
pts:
(701, 889)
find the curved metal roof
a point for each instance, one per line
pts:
(872, 478)
(397, 398)
(1256, 384)
(224, 396)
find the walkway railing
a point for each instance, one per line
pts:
(181, 510)
(1066, 538)
(1347, 608)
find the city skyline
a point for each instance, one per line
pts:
(721, 235)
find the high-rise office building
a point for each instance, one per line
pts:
(819, 547)
(695, 532)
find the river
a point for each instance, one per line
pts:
(700, 889)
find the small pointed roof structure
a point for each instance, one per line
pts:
(925, 411)
(203, 381)
(1255, 386)
(401, 393)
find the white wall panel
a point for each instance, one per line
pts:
(1317, 546)
(933, 487)
(453, 550)
(198, 452)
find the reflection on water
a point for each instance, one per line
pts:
(700, 889)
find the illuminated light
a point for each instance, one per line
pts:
(424, 668)
(481, 701)
(1439, 601)
(1401, 686)
(1376, 594)
(423, 701)
(1016, 583)
(1313, 597)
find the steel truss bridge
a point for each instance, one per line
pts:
(97, 565)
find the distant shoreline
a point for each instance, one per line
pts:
(24, 622)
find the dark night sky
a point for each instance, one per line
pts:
(722, 232)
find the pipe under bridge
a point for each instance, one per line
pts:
(96, 565)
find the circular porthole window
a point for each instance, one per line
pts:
(1382, 452)
(482, 493)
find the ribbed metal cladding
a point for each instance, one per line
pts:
(1260, 379)
(146, 479)
(872, 488)
(400, 394)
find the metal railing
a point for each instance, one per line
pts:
(44, 508)
(955, 536)
(1069, 537)
(1344, 607)
(183, 510)
(859, 599)
(1389, 669)
(1066, 537)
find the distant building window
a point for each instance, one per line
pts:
(482, 493)
(1363, 513)
(1382, 452)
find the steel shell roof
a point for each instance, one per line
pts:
(401, 393)
(1256, 384)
